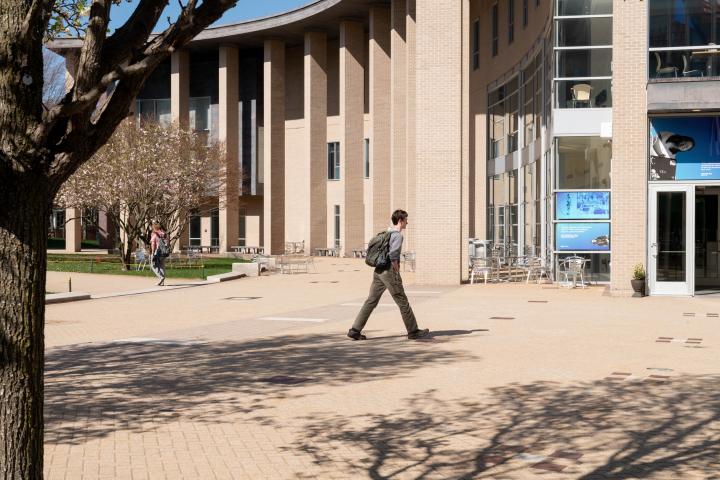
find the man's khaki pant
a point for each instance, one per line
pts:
(390, 280)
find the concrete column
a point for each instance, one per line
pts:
(410, 127)
(398, 105)
(380, 110)
(228, 201)
(73, 227)
(465, 139)
(439, 109)
(629, 156)
(180, 87)
(315, 136)
(352, 111)
(274, 147)
(73, 230)
(71, 61)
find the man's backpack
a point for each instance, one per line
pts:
(378, 251)
(162, 249)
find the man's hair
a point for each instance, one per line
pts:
(398, 215)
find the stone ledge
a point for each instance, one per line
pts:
(66, 297)
(225, 277)
(249, 269)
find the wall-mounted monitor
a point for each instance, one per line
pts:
(684, 148)
(582, 237)
(583, 205)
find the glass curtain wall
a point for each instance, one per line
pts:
(582, 202)
(684, 38)
(515, 118)
(504, 109)
(583, 53)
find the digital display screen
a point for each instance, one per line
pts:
(684, 148)
(578, 236)
(582, 205)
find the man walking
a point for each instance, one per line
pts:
(388, 277)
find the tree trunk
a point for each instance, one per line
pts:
(23, 259)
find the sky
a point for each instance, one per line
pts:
(244, 10)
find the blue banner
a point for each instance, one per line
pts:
(579, 236)
(582, 206)
(685, 148)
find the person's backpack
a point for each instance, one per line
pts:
(378, 251)
(162, 249)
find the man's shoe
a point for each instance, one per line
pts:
(356, 335)
(419, 333)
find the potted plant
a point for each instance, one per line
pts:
(638, 280)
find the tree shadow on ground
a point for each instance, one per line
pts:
(593, 430)
(92, 390)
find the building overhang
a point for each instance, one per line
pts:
(322, 15)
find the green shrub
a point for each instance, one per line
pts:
(639, 272)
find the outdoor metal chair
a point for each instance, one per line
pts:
(141, 259)
(538, 266)
(481, 266)
(573, 267)
(408, 260)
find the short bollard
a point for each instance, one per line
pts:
(70, 284)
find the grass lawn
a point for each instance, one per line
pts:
(198, 269)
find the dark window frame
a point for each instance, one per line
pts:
(511, 21)
(494, 29)
(366, 157)
(333, 158)
(337, 226)
(476, 44)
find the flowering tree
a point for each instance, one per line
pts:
(146, 173)
(40, 148)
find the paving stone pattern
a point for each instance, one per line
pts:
(185, 384)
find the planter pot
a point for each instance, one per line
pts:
(639, 287)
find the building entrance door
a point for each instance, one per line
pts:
(707, 240)
(671, 236)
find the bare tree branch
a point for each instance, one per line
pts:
(86, 137)
(130, 38)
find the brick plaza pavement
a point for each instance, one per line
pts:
(254, 379)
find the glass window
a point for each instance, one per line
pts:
(242, 227)
(157, 110)
(583, 93)
(476, 45)
(195, 230)
(677, 23)
(597, 268)
(200, 114)
(581, 32)
(334, 161)
(162, 106)
(584, 7)
(337, 226)
(495, 29)
(511, 20)
(584, 63)
(215, 227)
(583, 162)
(366, 156)
(505, 116)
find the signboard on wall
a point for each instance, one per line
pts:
(684, 148)
(582, 236)
(584, 205)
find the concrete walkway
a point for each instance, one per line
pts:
(255, 379)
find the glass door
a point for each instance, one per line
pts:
(671, 238)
